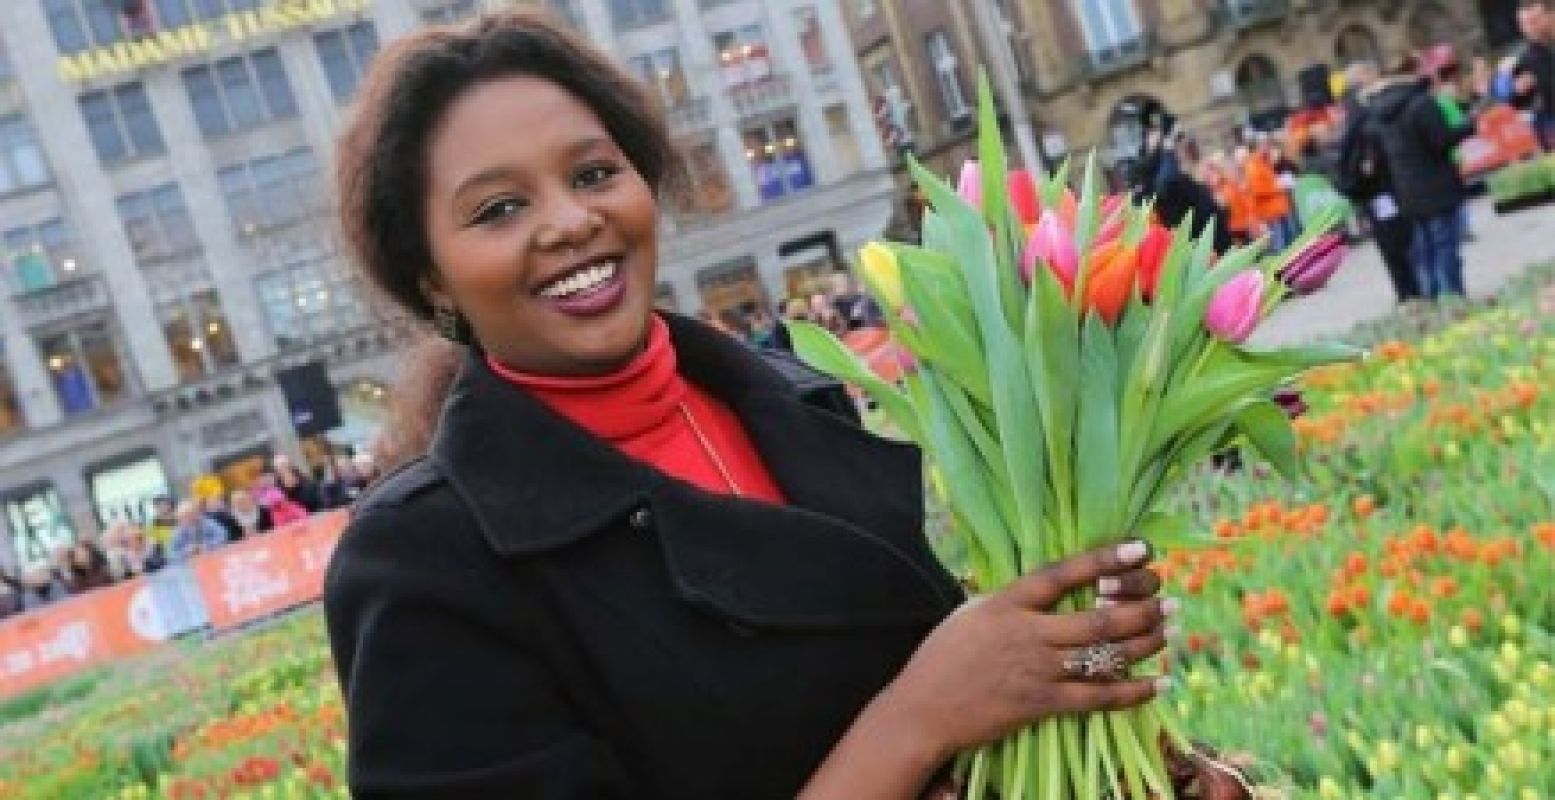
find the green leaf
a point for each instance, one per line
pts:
(1172, 532)
(1099, 503)
(821, 350)
(1268, 429)
(966, 483)
(997, 214)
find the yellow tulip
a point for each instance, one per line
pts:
(1328, 789)
(1387, 755)
(884, 274)
(1455, 759)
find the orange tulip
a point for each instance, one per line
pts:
(1110, 279)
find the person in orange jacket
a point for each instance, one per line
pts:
(1226, 182)
(1270, 199)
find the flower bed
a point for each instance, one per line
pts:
(1379, 628)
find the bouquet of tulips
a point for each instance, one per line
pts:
(1073, 361)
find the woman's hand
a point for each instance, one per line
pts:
(1004, 660)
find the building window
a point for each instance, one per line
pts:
(731, 286)
(345, 55)
(40, 256)
(1258, 84)
(239, 93)
(121, 123)
(271, 191)
(157, 223)
(1355, 45)
(80, 25)
(811, 41)
(198, 335)
(305, 300)
(661, 70)
(899, 108)
(711, 192)
(1012, 20)
(947, 76)
(1111, 27)
(178, 13)
(124, 487)
(11, 419)
(629, 14)
(39, 526)
(22, 165)
(777, 159)
(85, 367)
(843, 142)
(448, 12)
(743, 56)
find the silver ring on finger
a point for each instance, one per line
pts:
(1103, 661)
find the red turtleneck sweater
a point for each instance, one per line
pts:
(649, 412)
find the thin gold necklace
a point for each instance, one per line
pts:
(707, 447)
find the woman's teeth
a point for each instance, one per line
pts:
(583, 281)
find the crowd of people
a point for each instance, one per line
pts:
(838, 305)
(1391, 146)
(178, 529)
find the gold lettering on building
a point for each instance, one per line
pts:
(199, 38)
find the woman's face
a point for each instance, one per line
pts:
(543, 234)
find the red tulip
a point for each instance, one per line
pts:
(1152, 255)
(1023, 196)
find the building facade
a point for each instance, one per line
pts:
(168, 257)
(1088, 69)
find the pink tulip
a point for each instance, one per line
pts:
(971, 185)
(1233, 311)
(1311, 269)
(1052, 243)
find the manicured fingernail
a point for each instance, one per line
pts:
(1132, 552)
(1109, 585)
(1104, 602)
(1170, 606)
(1163, 684)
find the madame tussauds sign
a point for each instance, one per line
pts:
(200, 38)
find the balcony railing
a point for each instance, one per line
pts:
(765, 96)
(77, 294)
(1243, 14)
(692, 115)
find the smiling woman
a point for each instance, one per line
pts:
(625, 555)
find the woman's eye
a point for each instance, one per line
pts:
(497, 210)
(595, 175)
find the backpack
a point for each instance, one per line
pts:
(1361, 171)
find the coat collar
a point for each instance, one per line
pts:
(534, 482)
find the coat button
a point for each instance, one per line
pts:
(641, 519)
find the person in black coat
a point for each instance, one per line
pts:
(524, 610)
(1178, 194)
(1364, 177)
(1418, 143)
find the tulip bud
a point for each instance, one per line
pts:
(1311, 269)
(1233, 311)
(884, 275)
(1109, 279)
(1052, 243)
(1023, 196)
(970, 187)
(1152, 255)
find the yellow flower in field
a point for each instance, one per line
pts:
(1328, 789)
(1511, 626)
(1499, 726)
(1455, 759)
(1514, 756)
(1458, 637)
(1526, 793)
(1387, 755)
(1517, 711)
(1423, 737)
(1493, 775)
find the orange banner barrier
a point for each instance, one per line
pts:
(237, 584)
(1502, 137)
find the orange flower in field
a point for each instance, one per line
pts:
(1424, 539)
(1472, 619)
(1355, 564)
(1444, 586)
(1363, 506)
(1400, 604)
(1420, 611)
(1461, 545)
(1338, 602)
(1544, 533)
(1195, 581)
(1360, 597)
(1227, 529)
(1275, 602)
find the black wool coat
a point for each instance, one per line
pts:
(526, 612)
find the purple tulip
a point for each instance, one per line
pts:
(970, 187)
(1233, 311)
(1312, 267)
